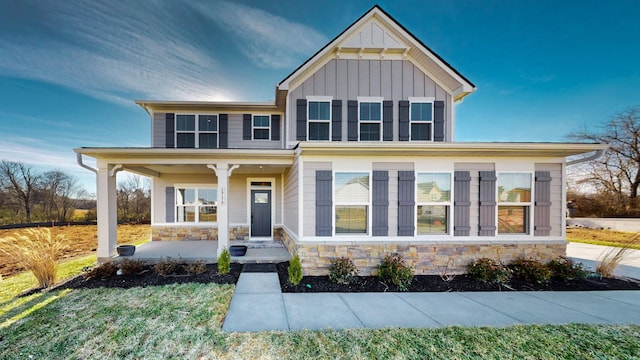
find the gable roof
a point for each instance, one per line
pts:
(395, 40)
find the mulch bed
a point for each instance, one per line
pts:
(434, 283)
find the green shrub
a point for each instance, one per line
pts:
(530, 270)
(101, 271)
(224, 262)
(130, 267)
(342, 271)
(196, 267)
(565, 269)
(167, 266)
(394, 270)
(489, 271)
(295, 270)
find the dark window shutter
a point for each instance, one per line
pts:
(336, 120)
(170, 203)
(406, 203)
(487, 209)
(223, 131)
(246, 127)
(462, 203)
(403, 117)
(387, 120)
(542, 213)
(380, 203)
(438, 121)
(352, 120)
(170, 126)
(275, 127)
(301, 119)
(324, 203)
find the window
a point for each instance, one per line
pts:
(421, 118)
(196, 204)
(203, 134)
(433, 204)
(514, 203)
(370, 120)
(261, 127)
(351, 202)
(319, 120)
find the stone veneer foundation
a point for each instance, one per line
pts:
(426, 257)
(186, 232)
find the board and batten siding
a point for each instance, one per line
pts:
(158, 130)
(309, 195)
(347, 79)
(291, 196)
(556, 210)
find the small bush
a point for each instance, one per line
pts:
(530, 270)
(37, 251)
(565, 269)
(224, 262)
(167, 266)
(394, 270)
(342, 271)
(295, 270)
(130, 267)
(195, 268)
(489, 271)
(102, 271)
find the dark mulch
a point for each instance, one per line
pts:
(434, 283)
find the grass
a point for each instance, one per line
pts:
(184, 321)
(601, 237)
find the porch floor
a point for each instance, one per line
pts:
(261, 252)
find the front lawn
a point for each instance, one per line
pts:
(184, 321)
(601, 237)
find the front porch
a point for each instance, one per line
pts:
(206, 250)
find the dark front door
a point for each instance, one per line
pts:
(261, 213)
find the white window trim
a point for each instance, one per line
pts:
(253, 127)
(430, 123)
(430, 203)
(371, 99)
(530, 204)
(197, 187)
(196, 132)
(336, 202)
(327, 99)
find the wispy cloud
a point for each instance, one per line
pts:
(268, 40)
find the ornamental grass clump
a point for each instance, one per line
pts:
(609, 260)
(37, 251)
(394, 270)
(342, 271)
(489, 271)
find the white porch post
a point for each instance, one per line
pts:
(106, 211)
(223, 172)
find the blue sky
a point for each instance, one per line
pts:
(70, 70)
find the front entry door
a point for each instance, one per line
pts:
(261, 213)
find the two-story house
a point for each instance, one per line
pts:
(355, 157)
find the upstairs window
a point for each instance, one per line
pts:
(433, 194)
(351, 202)
(202, 133)
(514, 203)
(370, 119)
(185, 131)
(261, 127)
(196, 204)
(421, 118)
(319, 120)
(208, 131)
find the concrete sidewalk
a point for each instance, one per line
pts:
(588, 255)
(258, 305)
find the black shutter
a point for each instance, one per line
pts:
(223, 131)
(403, 117)
(170, 203)
(542, 212)
(352, 120)
(275, 127)
(170, 130)
(406, 203)
(301, 119)
(324, 203)
(387, 120)
(462, 203)
(246, 127)
(487, 209)
(336, 120)
(438, 121)
(380, 202)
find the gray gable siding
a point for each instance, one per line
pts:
(347, 79)
(158, 130)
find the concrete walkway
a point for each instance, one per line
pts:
(588, 255)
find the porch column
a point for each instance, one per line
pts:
(106, 211)
(223, 172)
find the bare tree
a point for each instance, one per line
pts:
(21, 182)
(134, 198)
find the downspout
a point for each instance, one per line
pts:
(596, 155)
(79, 160)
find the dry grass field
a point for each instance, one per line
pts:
(601, 237)
(82, 240)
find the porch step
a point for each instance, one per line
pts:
(258, 244)
(259, 268)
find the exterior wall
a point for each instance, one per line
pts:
(236, 139)
(291, 196)
(393, 169)
(557, 183)
(309, 195)
(158, 130)
(159, 213)
(347, 79)
(474, 169)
